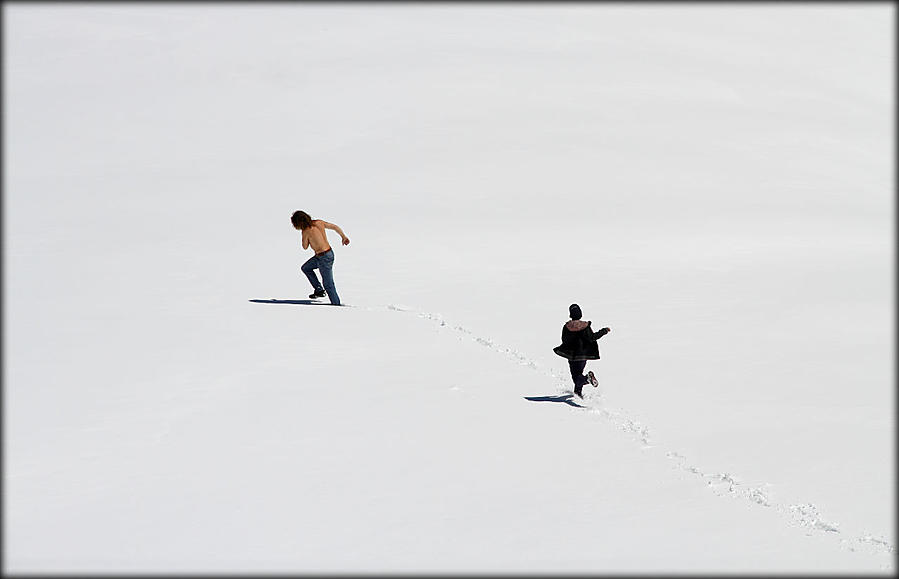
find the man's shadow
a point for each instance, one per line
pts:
(294, 302)
(566, 398)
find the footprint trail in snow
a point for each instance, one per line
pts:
(805, 515)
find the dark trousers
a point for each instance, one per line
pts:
(577, 371)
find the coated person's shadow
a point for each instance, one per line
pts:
(293, 302)
(565, 398)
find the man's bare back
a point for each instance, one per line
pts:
(317, 237)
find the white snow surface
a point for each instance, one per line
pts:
(714, 182)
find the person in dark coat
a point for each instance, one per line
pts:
(579, 345)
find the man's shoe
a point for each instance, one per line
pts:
(592, 379)
(577, 390)
(317, 294)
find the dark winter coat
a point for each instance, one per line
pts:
(579, 341)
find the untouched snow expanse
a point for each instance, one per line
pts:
(713, 182)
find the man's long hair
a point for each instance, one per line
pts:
(301, 220)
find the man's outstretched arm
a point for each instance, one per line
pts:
(599, 334)
(332, 227)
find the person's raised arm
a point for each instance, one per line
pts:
(332, 227)
(601, 333)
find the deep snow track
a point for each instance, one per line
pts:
(723, 484)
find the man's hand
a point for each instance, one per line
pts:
(346, 240)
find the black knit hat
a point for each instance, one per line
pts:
(574, 311)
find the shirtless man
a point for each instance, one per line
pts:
(314, 235)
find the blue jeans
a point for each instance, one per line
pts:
(324, 262)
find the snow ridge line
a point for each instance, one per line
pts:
(804, 515)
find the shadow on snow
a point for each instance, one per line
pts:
(294, 302)
(567, 399)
